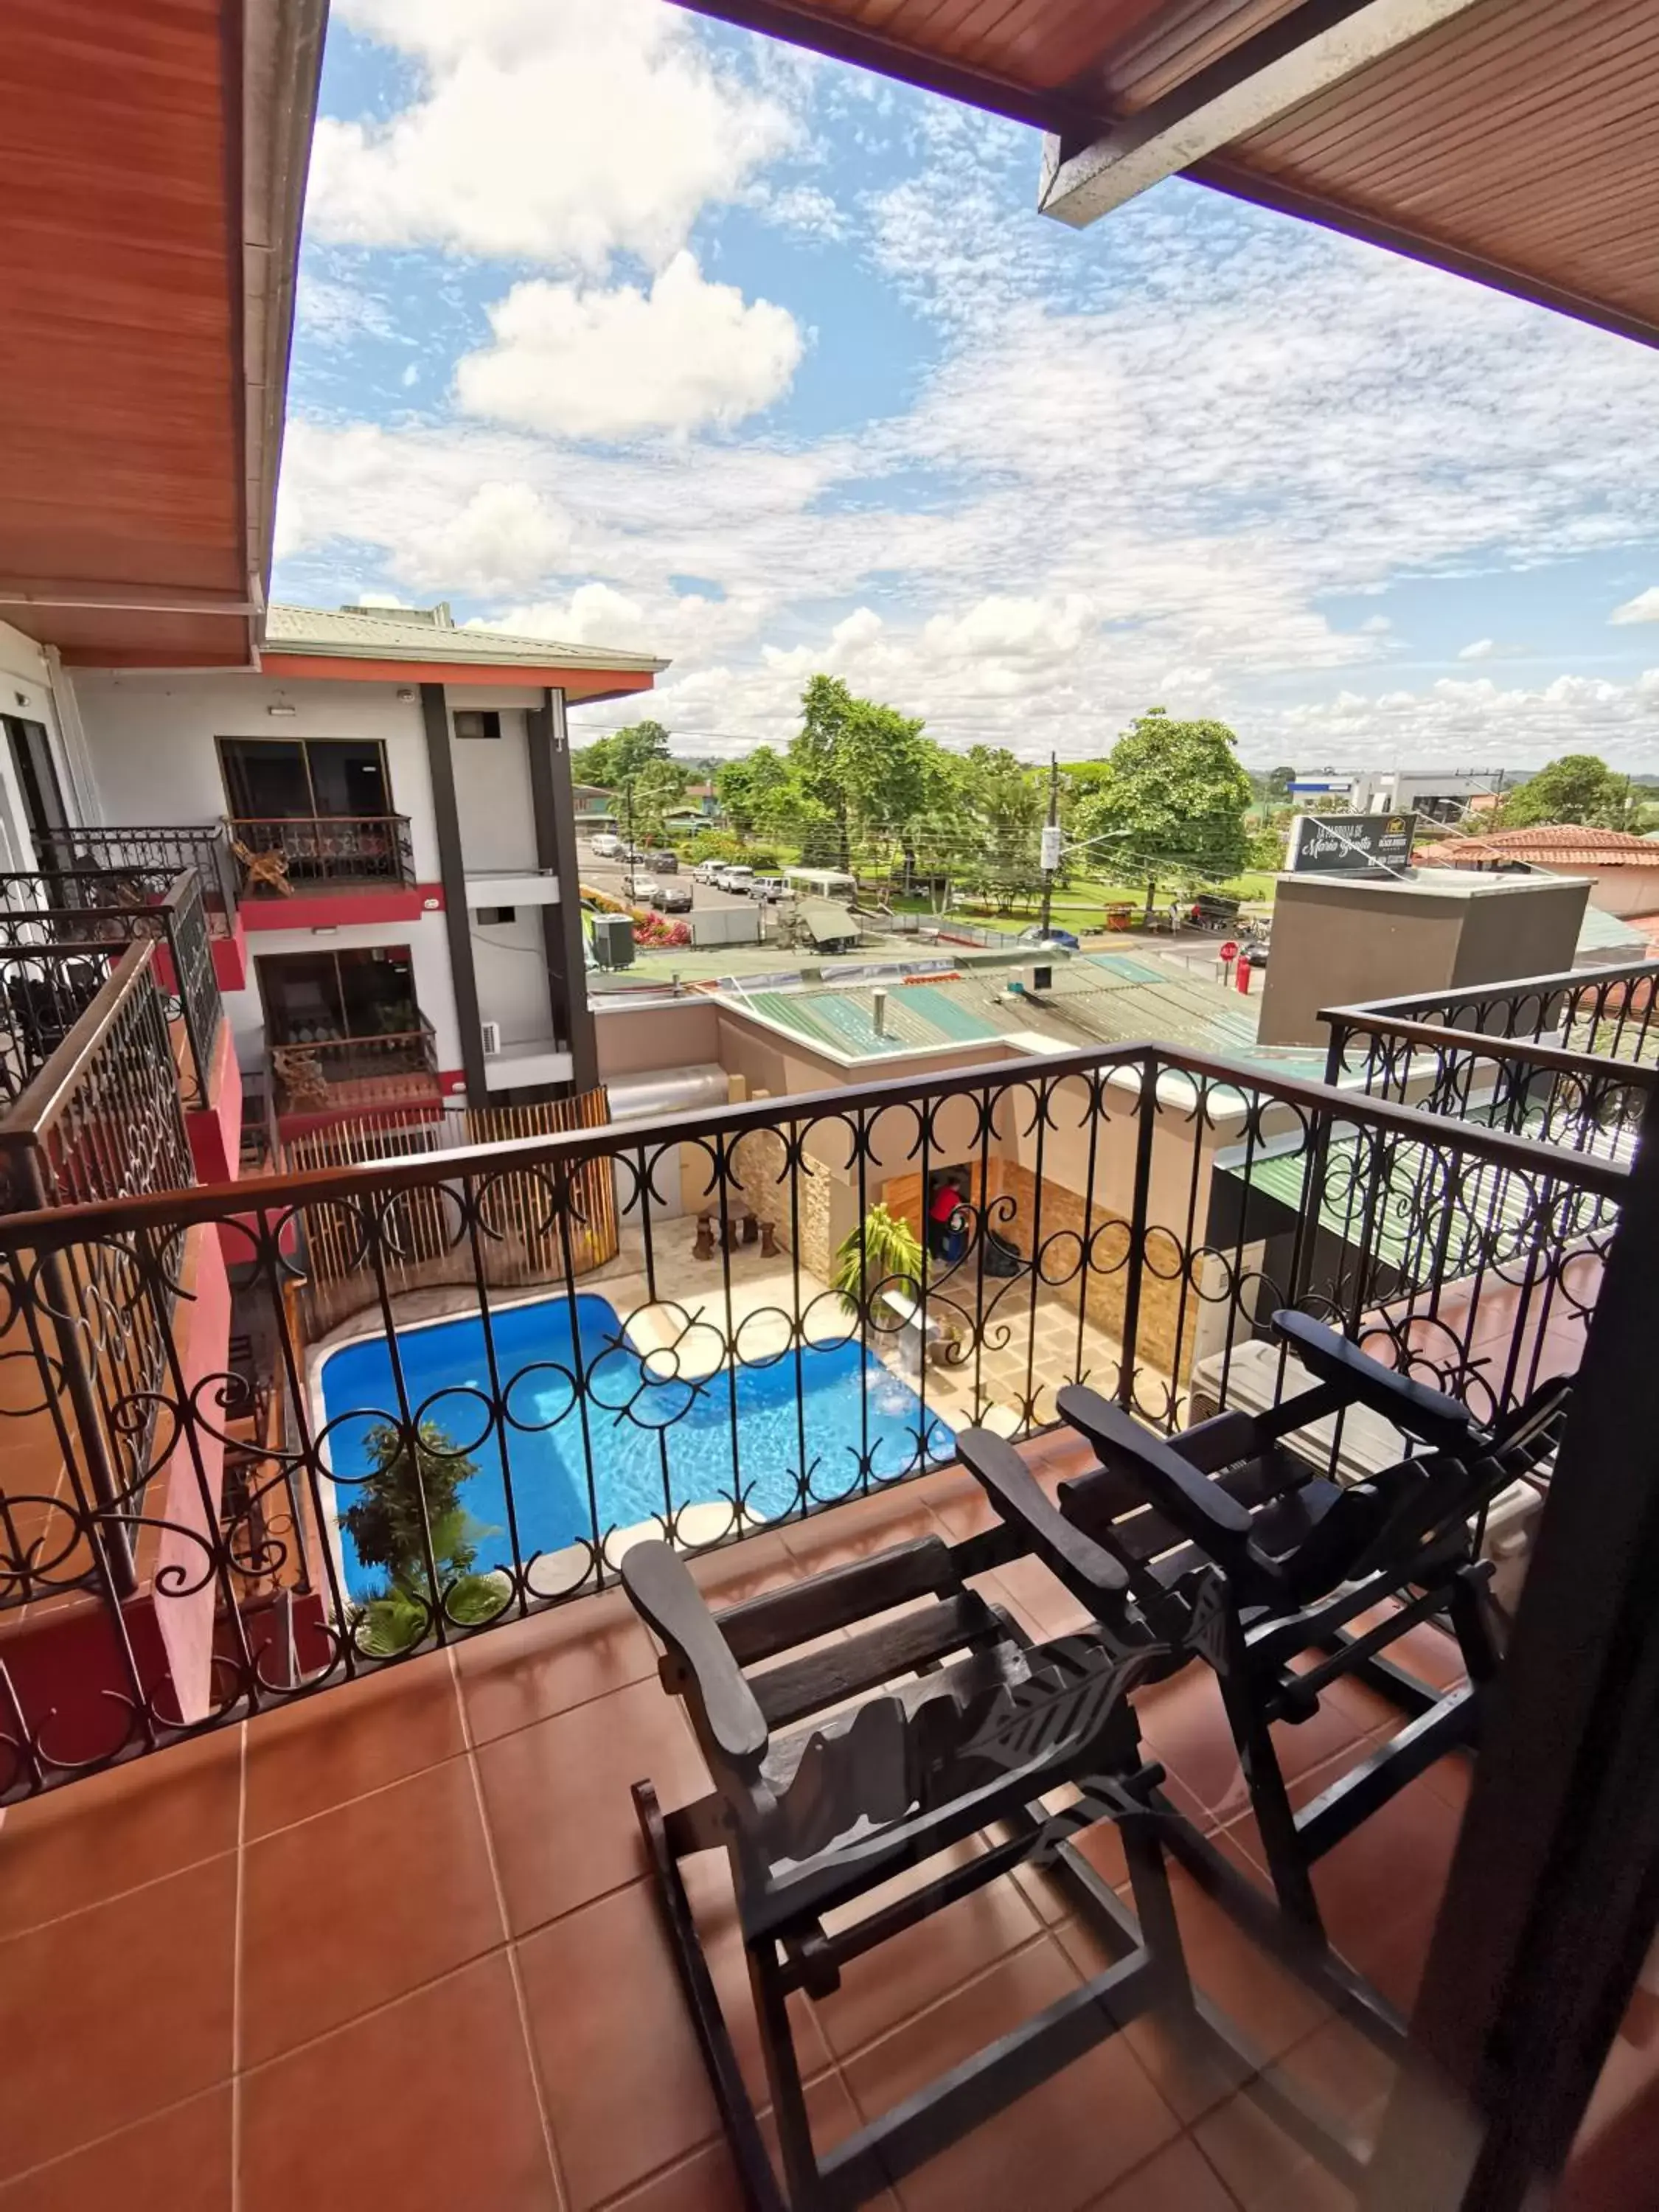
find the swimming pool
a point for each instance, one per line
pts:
(634, 1418)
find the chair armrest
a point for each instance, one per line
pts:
(1089, 1572)
(1424, 1412)
(1201, 1510)
(669, 1601)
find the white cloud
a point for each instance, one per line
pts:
(554, 130)
(1482, 649)
(506, 537)
(412, 376)
(610, 364)
(1480, 723)
(1645, 607)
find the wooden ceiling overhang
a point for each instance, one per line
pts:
(1514, 141)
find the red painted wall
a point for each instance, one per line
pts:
(339, 909)
(216, 1131)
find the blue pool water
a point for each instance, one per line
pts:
(850, 1404)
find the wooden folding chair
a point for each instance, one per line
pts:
(846, 1765)
(1277, 1562)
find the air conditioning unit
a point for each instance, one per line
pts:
(492, 1037)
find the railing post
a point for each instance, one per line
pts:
(1144, 1134)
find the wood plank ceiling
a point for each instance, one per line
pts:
(1518, 142)
(122, 437)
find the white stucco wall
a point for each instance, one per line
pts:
(493, 797)
(150, 740)
(33, 688)
(510, 961)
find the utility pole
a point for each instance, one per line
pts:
(1051, 842)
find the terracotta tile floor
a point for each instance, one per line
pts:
(397, 1942)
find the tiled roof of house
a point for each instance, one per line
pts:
(429, 634)
(1549, 844)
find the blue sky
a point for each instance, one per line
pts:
(619, 326)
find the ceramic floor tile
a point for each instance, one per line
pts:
(112, 1832)
(178, 2162)
(558, 1799)
(1080, 2131)
(429, 2104)
(1179, 2180)
(108, 2015)
(349, 1739)
(361, 1904)
(915, 1969)
(619, 2061)
(563, 1657)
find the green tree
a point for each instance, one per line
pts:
(1578, 787)
(753, 791)
(884, 1253)
(818, 765)
(613, 761)
(1174, 805)
(407, 1498)
(649, 794)
(1280, 781)
(1004, 805)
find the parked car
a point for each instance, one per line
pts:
(732, 879)
(665, 864)
(706, 872)
(1254, 956)
(1037, 935)
(767, 889)
(604, 847)
(642, 890)
(671, 898)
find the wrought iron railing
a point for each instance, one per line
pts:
(341, 1074)
(100, 1122)
(1605, 1011)
(158, 851)
(791, 1322)
(279, 856)
(86, 917)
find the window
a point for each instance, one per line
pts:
(37, 776)
(305, 779)
(492, 916)
(476, 722)
(315, 998)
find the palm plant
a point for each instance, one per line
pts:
(407, 1499)
(884, 1253)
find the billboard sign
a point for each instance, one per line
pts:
(1350, 844)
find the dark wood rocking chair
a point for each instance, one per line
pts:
(940, 1724)
(1273, 1562)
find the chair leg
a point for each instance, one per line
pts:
(789, 2114)
(1472, 1625)
(1269, 1799)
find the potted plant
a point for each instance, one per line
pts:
(406, 1497)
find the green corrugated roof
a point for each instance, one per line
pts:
(918, 1018)
(1404, 1225)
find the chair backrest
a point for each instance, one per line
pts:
(1452, 1488)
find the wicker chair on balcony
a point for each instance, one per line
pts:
(1273, 1562)
(302, 1088)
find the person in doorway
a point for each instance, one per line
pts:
(947, 1236)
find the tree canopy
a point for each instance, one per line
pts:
(1578, 787)
(614, 761)
(1173, 804)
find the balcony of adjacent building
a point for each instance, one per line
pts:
(366, 1890)
(345, 1037)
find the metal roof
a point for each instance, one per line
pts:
(919, 1018)
(411, 633)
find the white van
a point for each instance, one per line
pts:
(736, 880)
(604, 847)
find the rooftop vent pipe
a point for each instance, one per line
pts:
(879, 1012)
